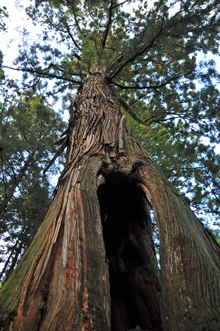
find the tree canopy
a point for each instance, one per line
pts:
(150, 53)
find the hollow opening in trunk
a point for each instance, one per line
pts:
(133, 270)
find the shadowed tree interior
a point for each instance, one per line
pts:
(133, 271)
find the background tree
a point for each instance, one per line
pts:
(149, 56)
(28, 125)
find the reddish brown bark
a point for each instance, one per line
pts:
(92, 265)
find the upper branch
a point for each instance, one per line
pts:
(108, 25)
(44, 74)
(133, 57)
(76, 21)
(73, 40)
(58, 152)
(131, 112)
(120, 4)
(150, 86)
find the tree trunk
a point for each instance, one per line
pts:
(92, 264)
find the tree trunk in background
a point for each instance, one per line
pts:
(92, 264)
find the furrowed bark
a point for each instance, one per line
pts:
(92, 264)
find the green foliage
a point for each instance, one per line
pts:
(28, 128)
(3, 15)
(217, 238)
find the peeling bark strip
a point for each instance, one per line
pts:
(92, 264)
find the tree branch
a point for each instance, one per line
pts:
(77, 24)
(140, 97)
(131, 112)
(120, 4)
(152, 119)
(108, 25)
(73, 40)
(133, 57)
(150, 86)
(43, 74)
(58, 152)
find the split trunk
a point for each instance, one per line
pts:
(92, 264)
